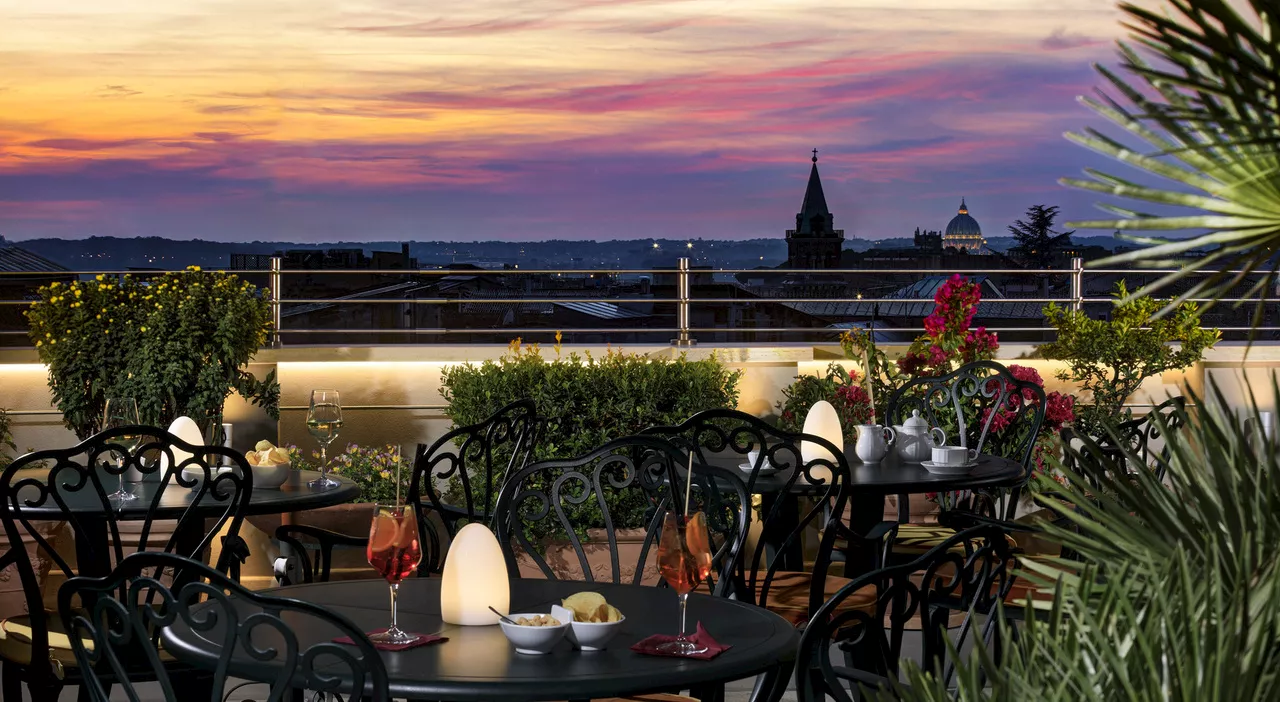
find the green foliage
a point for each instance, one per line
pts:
(372, 468)
(858, 345)
(838, 387)
(1110, 359)
(588, 401)
(1178, 593)
(1037, 242)
(1203, 113)
(6, 439)
(178, 343)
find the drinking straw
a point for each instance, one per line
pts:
(871, 396)
(688, 485)
(399, 460)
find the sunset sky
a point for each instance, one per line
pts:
(529, 119)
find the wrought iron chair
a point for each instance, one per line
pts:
(116, 622)
(554, 500)
(1140, 436)
(763, 578)
(488, 451)
(35, 648)
(970, 572)
(981, 406)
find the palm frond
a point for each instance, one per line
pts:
(1177, 596)
(1208, 116)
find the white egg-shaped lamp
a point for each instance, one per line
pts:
(475, 579)
(822, 421)
(184, 428)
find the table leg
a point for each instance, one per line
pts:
(779, 528)
(93, 551)
(865, 511)
(772, 684)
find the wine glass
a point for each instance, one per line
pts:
(394, 552)
(122, 412)
(684, 559)
(324, 421)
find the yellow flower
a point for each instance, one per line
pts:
(39, 344)
(54, 284)
(142, 329)
(99, 276)
(52, 342)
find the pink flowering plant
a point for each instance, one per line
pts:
(839, 387)
(1007, 439)
(949, 341)
(373, 468)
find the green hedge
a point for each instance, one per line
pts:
(587, 401)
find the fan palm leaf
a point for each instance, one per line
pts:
(1205, 105)
(1177, 595)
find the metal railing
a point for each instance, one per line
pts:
(683, 278)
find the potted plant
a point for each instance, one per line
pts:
(1110, 358)
(6, 439)
(839, 387)
(178, 343)
(586, 401)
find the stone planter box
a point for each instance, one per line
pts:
(563, 560)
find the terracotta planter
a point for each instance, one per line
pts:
(12, 601)
(563, 560)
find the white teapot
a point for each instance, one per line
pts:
(873, 442)
(916, 439)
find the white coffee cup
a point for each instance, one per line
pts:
(754, 455)
(953, 455)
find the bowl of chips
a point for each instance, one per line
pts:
(271, 467)
(534, 634)
(594, 621)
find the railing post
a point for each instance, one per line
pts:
(1077, 283)
(682, 306)
(275, 301)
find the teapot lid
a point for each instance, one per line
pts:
(915, 421)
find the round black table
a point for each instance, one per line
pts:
(478, 663)
(175, 499)
(173, 504)
(870, 483)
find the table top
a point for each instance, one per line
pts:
(888, 477)
(175, 499)
(478, 663)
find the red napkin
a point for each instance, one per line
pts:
(650, 645)
(423, 640)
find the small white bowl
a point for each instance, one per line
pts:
(593, 636)
(533, 640)
(271, 477)
(197, 474)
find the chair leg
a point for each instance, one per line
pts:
(10, 683)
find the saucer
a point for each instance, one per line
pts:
(765, 469)
(943, 469)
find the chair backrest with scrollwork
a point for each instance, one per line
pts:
(584, 504)
(976, 405)
(735, 434)
(470, 463)
(116, 622)
(864, 625)
(74, 485)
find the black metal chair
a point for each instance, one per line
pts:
(116, 621)
(864, 624)
(75, 489)
(489, 451)
(764, 576)
(1139, 437)
(559, 500)
(972, 405)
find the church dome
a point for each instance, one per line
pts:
(962, 224)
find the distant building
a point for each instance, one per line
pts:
(964, 234)
(815, 242)
(930, 241)
(33, 272)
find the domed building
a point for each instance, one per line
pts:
(964, 233)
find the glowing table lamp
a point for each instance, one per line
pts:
(821, 421)
(186, 429)
(475, 579)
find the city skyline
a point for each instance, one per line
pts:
(540, 119)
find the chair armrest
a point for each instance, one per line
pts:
(300, 559)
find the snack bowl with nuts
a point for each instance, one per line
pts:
(534, 633)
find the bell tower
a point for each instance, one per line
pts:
(815, 242)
